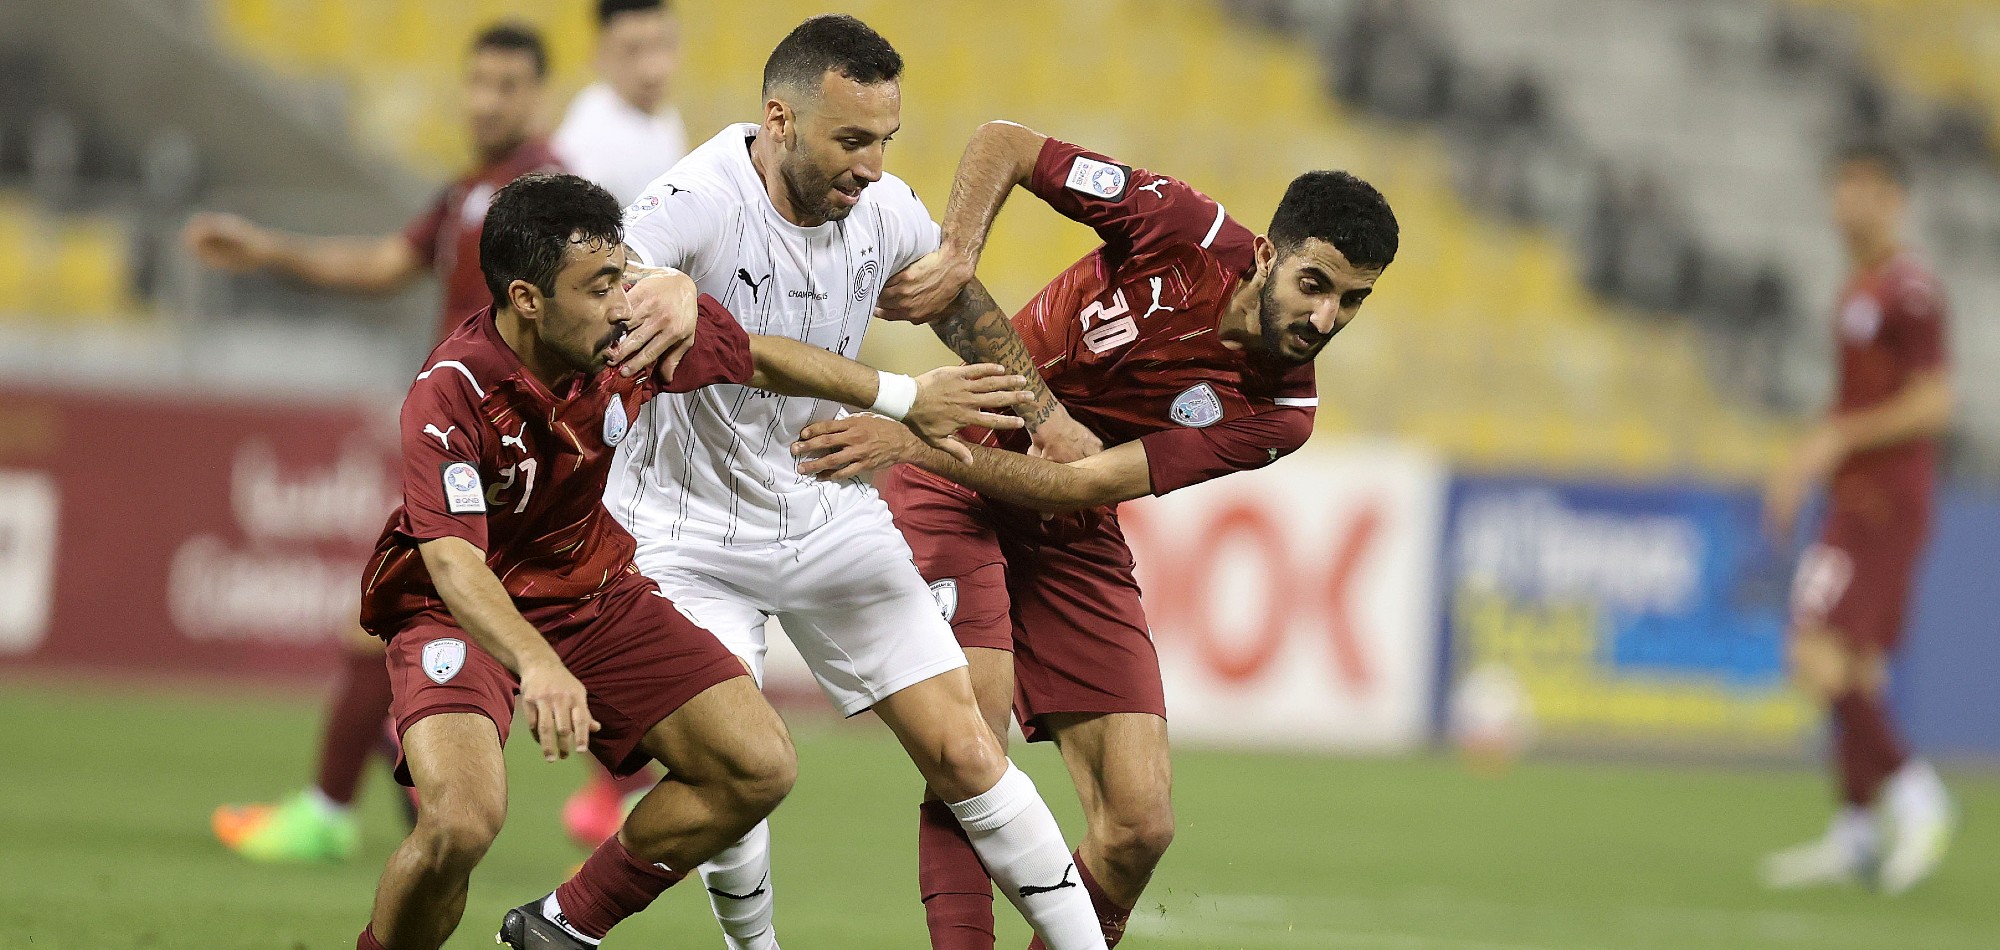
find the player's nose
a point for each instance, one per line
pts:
(1326, 316)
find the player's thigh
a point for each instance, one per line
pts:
(455, 759)
(726, 735)
(1121, 767)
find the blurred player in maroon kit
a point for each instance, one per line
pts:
(502, 574)
(1185, 343)
(1852, 590)
(505, 72)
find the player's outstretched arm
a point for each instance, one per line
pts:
(977, 330)
(369, 265)
(554, 699)
(999, 156)
(933, 406)
(857, 445)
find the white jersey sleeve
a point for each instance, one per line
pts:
(679, 222)
(906, 228)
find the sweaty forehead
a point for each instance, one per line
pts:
(1323, 256)
(584, 258)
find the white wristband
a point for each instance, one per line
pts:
(894, 395)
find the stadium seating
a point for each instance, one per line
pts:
(62, 268)
(1941, 49)
(1482, 341)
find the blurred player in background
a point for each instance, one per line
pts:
(623, 131)
(794, 223)
(1186, 342)
(1879, 445)
(504, 77)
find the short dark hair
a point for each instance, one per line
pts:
(1343, 211)
(832, 41)
(531, 224)
(606, 9)
(1887, 158)
(514, 37)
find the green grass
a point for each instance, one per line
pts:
(104, 798)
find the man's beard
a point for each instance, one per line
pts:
(814, 203)
(1273, 334)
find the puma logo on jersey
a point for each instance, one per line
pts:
(444, 438)
(516, 441)
(1154, 186)
(756, 286)
(1030, 890)
(673, 189)
(1157, 306)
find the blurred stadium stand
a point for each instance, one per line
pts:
(1616, 260)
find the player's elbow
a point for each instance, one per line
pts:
(1021, 145)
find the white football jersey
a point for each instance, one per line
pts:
(715, 464)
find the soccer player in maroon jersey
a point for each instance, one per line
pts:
(1879, 445)
(1185, 342)
(505, 73)
(502, 574)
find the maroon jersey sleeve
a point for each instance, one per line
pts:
(1130, 208)
(721, 351)
(1913, 315)
(443, 495)
(1179, 457)
(422, 233)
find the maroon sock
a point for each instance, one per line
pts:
(367, 940)
(1110, 916)
(613, 884)
(1867, 747)
(957, 894)
(353, 724)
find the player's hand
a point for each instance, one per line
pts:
(660, 325)
(226, 242)
(1060, 438)
(950, 398)
(918, 292)
(853, 446)
(1785, 493)
(557, 711)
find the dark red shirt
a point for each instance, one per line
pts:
(1128, 336)
(1890, 327)
(492, 456)
(446, 235)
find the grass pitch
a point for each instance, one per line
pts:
(105, 794)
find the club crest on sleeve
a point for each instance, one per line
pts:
(1196, 407)
(945, 592)
(615, 423)
(1101, 179)
(443, 658)
(462, 495)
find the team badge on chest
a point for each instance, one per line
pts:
(615, 423)
(1197, 407)
(443, 659)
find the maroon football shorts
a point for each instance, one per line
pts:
(1857, 578)
(1060, 594)
(638, 658)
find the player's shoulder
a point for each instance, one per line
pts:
(465, 366)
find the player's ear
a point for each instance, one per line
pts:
(778, 119)
(525, 298)
(1265, 254)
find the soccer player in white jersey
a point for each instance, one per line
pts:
(623, 130)
(795, 227)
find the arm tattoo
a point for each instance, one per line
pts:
(979, 332)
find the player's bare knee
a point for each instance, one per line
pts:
(761, 771)
(969, 762)
(1820, 664)
(454, 839)
(1137, 838)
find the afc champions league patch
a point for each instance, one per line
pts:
(642, 207)
(461, 489)
(443, 659)
(1099, 179)
(615, 422)
(1197, 407)
(945, 592)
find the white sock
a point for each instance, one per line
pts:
(1017, 838)
(1916, 792)
(743, 870)
(552, 909)
(1856, 829)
